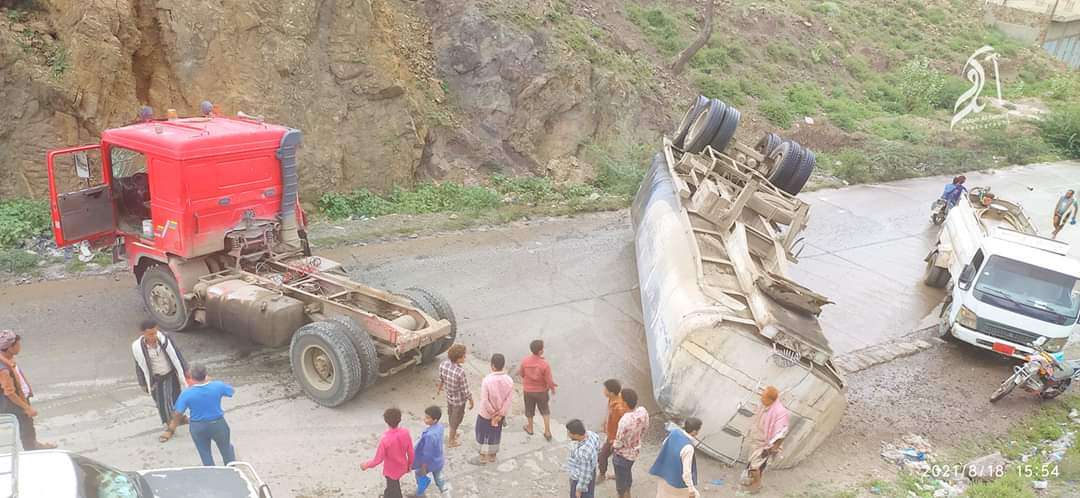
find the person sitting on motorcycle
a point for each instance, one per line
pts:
(954, 190)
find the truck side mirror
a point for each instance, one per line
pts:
(82, 165)
(966, 276)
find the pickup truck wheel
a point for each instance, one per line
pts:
(325, 363)
(365, 348)
(700, 104)
(163, 299)
(935, 276)
(435, 305)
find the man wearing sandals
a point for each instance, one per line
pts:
(537, 382)
(452, 380)
(160, 369)
(17, 392)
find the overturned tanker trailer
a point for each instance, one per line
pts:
(714, 238)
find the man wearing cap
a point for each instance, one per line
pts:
(17, 392)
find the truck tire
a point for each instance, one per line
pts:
(935, 276)
(365, 348)
(704, 127)
(163, 300)
(768, 144)
(727, 129)
(325, 363)
(700, 104)
(802, 175)
(786, 160)
(434, 305)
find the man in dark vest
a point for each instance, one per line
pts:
(676, 465)
(160, 370)
(17, 392)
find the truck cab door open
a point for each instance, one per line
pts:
(80, 196)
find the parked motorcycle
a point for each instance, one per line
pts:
(938, 210)
(1044, 373)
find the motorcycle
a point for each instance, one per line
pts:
(1044, 373)
(938, 210)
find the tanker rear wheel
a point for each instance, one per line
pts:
(435, 305)
(325, 363)
(163, 299)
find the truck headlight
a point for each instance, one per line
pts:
(1055, 345)
(966, 318)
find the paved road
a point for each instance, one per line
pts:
(571, 282)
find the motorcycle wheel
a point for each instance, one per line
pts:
(1053, 392)
(1004, 389)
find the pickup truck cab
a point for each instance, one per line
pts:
(1007, 286)
(61, 474)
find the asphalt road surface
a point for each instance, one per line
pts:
(571, 282)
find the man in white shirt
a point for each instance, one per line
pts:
(160, 369)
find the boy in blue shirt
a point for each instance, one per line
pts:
(429, 454)
(207, 418)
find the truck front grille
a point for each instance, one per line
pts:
(1002, 331)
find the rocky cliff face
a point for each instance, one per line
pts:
(386, 91)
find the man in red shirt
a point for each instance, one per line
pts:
(537, 383)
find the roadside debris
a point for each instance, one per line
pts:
(912, 453)
(987, 468)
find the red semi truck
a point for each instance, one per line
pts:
(205, 210)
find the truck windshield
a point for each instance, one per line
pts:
(1029, 290)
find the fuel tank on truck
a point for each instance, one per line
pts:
(261, 315)
(713, 241)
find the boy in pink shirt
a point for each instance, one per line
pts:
(537, 382)
(395, 453)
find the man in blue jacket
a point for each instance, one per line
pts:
(676, 465)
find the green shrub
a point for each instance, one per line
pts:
(17, 261)
(898, 128)
(620, 166)
(727, 90)
(1061, 128)
(755, 88)
(361, 202)
(804, 99)
(442, 197)
(660, 28)
(21, 219)
(846, 113)
(887, 96)
(920, 85)
(858, 67)
(777, 111)
(827, 8)
(782, 52)
(1016, 147)
(951, 90)
(887, 160)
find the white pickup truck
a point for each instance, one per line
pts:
(62, 474)
(1007, 285)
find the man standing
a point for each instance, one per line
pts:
(452, 379)
(496, 396)
(537, 382)
(160, 369)
(207, 418)
(581, 464)
(1064, 210)
(627, 444)
(767, 437)
(17, 392)
(676, 465)
(615, 410)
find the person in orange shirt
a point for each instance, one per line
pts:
(616, 407)
(17, 391)
(537, 382)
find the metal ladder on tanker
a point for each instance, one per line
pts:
(9, 456)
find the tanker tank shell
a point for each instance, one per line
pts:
(716, 334)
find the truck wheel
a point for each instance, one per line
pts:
(325, 363)
(365, 348)
(935, 276)
(768, 144)
(704, 128)
(434, 305)
(700, 104)
(786, 160)
(806, 167)
(727, 129)
(163, 300)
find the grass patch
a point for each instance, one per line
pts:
(21, 219)
(729, 91)
(1061, 128)
(889, 160)
(659, 27)
(1017, 147)
(17, 261)
(897, 128)
(621, 167)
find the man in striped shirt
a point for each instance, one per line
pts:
(581, 464)
(452, 379)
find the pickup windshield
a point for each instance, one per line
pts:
(1029, 290)
(100, 481)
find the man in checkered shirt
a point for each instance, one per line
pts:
(452, 379)
(581, 464)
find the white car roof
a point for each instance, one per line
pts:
(1034, 256)
(42, 474)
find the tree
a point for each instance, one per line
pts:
(680, 61)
